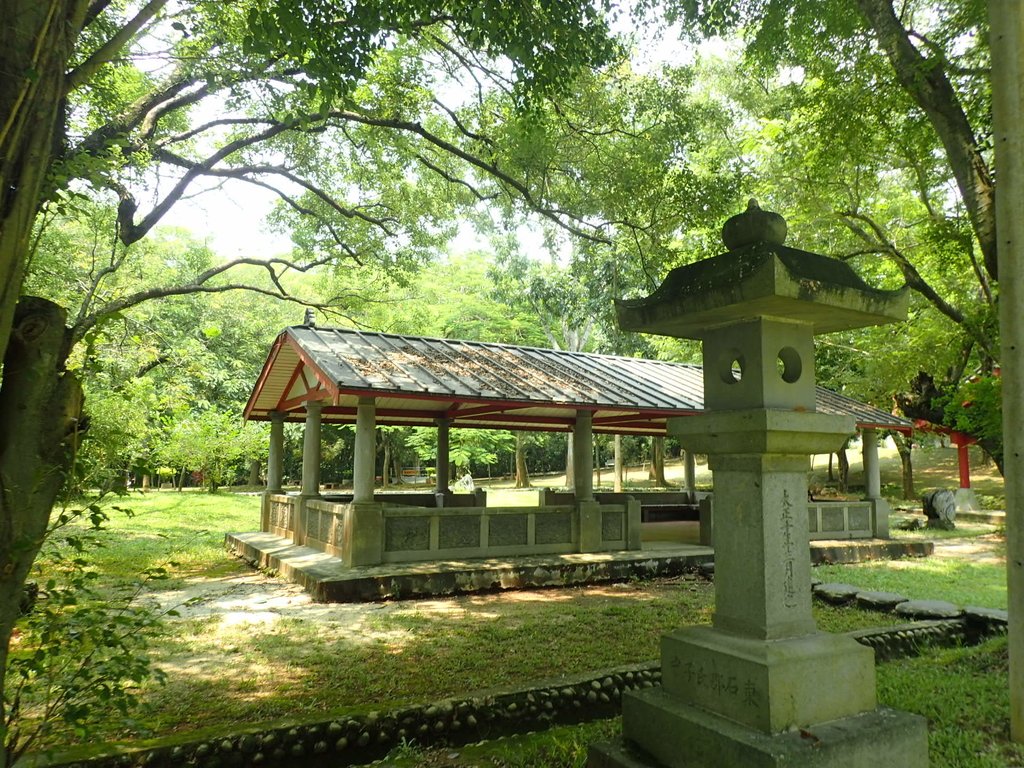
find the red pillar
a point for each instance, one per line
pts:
(961, 441)
(965, 466)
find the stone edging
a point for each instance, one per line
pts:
(359, 739)
(935, 622)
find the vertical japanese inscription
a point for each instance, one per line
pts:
(788, 547)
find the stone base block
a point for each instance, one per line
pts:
(664, 733)
(590, 526)
(363, 534)
(966, 500)
(771, 686)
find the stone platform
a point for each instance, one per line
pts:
(328, 580)
(707, 741)
(991, 517)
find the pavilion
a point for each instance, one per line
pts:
(342, 376)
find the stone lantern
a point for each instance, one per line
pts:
(762, 686)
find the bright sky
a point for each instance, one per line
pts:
(232, 217)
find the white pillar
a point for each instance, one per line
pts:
(690, 469)
(275, 458)
(583, 455)
(364, 465)
(872, 473)
(1006, 22)
(443, 443)
(311, 450)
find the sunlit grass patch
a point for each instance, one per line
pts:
(964, 693)
(961, 582)
(157, 528)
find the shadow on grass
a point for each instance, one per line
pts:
(352, 658)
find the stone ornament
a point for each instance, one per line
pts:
(754, 225)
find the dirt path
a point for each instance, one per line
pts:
(988, 549)
(250, 598)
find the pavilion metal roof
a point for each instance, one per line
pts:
(416, 380)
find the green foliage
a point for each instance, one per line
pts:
(976, 408)
(78, 659)
(212, 442)
(834, 138)
(336, 42)
(467, 448)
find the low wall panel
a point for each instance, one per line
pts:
(508, 530)
(553, 528)
(407, 534)
(458, 532)
(613, 525)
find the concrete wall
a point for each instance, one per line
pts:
(414, 533)
(826, 520)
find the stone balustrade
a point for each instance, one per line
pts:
(415, 533)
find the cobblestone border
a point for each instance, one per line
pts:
(360, 739)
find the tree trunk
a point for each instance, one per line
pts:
(522, 475)
(618, 464)
(254, 471)
(36, 42)
(903, 447)
(928, 84)
(1007, 41)
(844, 470)
(831, 471)
(40, 419)
(657, 471)
(386, 468)
(181, 478)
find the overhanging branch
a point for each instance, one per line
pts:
(203, 283)
(878, 239)
(560, 217)
(106, 52)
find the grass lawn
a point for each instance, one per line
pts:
(187, 527)
(974, 574)
(246, 664)
(962, 691)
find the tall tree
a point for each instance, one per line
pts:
(74, 107)
(874, 121)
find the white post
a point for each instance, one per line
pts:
(872, 473)
(1006, 22)
(311, 450)
(275, 458)
(364, 466)
(583, 455)
(690, 469)
(443, 444)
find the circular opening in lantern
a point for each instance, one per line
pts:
(790, 367)
(731, 367)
